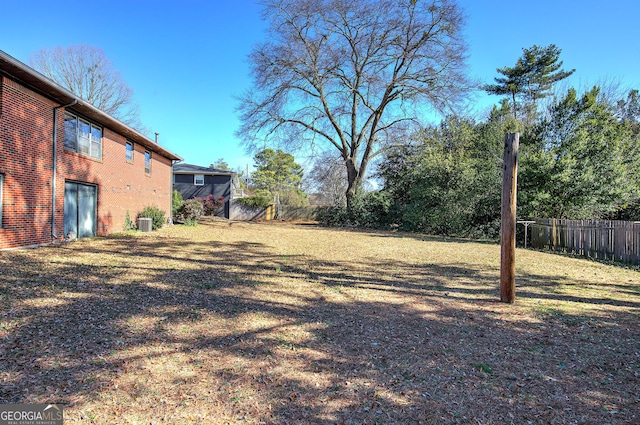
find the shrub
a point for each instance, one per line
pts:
(190, 222)
(190, 211)
(176, 202)
(257, 201)
(128, 224)
(211, 204)
(370, 210)
(156, 215)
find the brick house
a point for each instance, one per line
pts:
(67, 168)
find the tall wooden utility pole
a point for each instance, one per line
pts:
(508, 233)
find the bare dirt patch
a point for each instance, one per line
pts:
(275, 324)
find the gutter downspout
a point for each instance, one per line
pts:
(173, 162)
(55, 167)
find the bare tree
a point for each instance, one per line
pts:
(351, 73)
(327, 179)
(86, 72)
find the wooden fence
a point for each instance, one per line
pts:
(601, 239)
(242, 212)
(287, 212)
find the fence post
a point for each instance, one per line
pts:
(508, 233)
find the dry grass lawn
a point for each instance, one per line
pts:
(292, 324)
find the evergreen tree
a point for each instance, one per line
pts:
(629, 113)
(221, 164)
(532, 77)
(448, 181)
(574, 165)
(278, 174)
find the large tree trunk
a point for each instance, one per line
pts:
(346, 73)
(354, 181)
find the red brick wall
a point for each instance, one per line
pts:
(26, 123)
(25, 162)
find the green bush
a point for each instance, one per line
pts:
(176, 202)
(190, 222)
(156, 215)
(370, 210)
(255, 201)
(128, 224)
(190, 211)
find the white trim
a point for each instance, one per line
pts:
(147, 171)
(85, 148)
(206, 173)
(126, 151)
(195, 179)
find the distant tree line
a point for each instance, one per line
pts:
(579, 158)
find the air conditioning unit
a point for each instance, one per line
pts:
(144, 224)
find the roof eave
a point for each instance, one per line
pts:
(31, 78)
(206, 173)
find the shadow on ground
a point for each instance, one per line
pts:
(258, 337)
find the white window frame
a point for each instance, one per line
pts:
(126, 152)
(91, 145)
(147, 162)
(195, 179)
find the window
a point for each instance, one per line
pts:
(1, 184)
(129, 152)
(82, 136)
(147, 162)
(198, 179)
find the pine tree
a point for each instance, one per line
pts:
(532, 78)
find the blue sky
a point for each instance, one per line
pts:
(187, 60)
